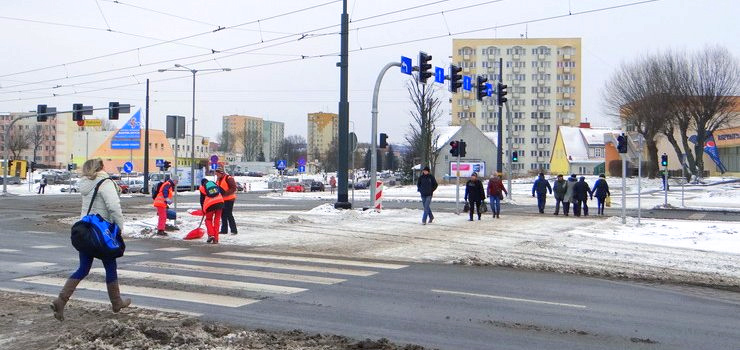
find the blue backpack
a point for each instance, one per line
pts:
(95, 236)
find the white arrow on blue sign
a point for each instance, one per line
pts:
(439, 75)
(128, 167)
(214, 166)
(489, 89)
(406, 66)
(467, 83)
(302, 169)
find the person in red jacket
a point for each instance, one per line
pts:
(495, 189)
(165, 192)
(228, 191)
(212, 203)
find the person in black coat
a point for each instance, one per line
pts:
(426, 185)
(601, 191)
(474, 194)
(581, 192)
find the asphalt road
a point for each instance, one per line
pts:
(444, 306)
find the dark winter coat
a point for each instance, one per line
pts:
(601, 189)
(569, 187)
(581, 190)
(474, 191)
(559, 188)
(495, 188)
(541, 186)
(426, 185)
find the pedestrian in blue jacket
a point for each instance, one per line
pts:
(601, 191)
(541, 187)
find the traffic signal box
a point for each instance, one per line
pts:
(515, 157)
(455, 78)
(664, 160)
(501, 93)
(383, 140)
(622, 143)
(424, 67)
(482, 88)
(453, 148)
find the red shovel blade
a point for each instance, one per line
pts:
(195, 234)
(198, 212)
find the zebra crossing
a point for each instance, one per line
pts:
(230, 279)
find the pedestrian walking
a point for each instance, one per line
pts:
(541, 187)
(568, 197)
(228, 191)
(581, 193)
(164, 192)
(107, 204)
(426, 185)
(333, 184)
(558, 188)
(212, 204)
(601, 191)
(42, 185)
(474, 194)
(496, 190)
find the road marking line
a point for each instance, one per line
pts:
(37, 264)
(508, 298)
(97, 301)
(193, 297)
(244, 273)
(171, 249)
(315, 260)
(9, 250)
(210, 282)
(47, 246)
(130, 253)
(273, 265)
(43, 232)
(697, 216)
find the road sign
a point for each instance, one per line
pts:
(159, 163)
(281, 164)
(93, 122)
(439, 75)
(302, 169)
(214, 159)
(406, 67)
(214, 166)
(467, 83)
(128, 167)
(301, 161)
(353, 141)
(489, 89)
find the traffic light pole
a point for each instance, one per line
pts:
(343, 125)
(508, 149)
(639, 180)
(374, 133)
(457, 185)
(499, 153)
(665, 186)
(624, 188)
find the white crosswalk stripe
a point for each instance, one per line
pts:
(296, 267)
(3, 250)
(368, 264)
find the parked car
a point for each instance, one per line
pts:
(240, 187)
(317, 186)
(123, 186)
(134, 185)
(294, 187)
(362, 184)
(12, 180)
(72, 188)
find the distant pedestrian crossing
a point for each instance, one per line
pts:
(228, 279)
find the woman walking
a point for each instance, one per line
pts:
(474, 194)
(601, 191)
(107, 205)
(495, 189)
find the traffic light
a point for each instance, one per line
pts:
(461, 148)
(515, 157)
(622, 143)
(41, 109)
(455, 78)
(113, 110)
(501, 93)
(383, 140)
(77, 112)
(482, 88)
(664, 160)
(453, 148)
(167, 164)
(424, 67)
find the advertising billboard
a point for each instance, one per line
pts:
(468, 168)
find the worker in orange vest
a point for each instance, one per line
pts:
(228, 191)
(212, 203)
(165, 192)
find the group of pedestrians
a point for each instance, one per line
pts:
(573, 192)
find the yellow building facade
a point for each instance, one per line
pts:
(323, 128)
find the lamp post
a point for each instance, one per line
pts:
(181, 68)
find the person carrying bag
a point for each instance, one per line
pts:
(97, 235)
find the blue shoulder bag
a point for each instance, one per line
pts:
(95, 236)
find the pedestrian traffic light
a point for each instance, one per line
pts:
(664, 160)
(515, 157)
(482, 88)
(622, 143)
(113, 110)
(453, 148)
(77, 112)
(501, 93)
(41, 109)
(167, 164)
(424, 67)
(461, 148)
(455, 78)
(383, 140)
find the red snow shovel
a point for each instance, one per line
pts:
(198, 232)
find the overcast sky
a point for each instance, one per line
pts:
(60, 52)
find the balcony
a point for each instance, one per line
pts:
(516, 70)
(540, 133)
(566, 82)
(540, 95)
(542, 159)
(540, 82)
(566, 70)
(541, 146)
(566, 108)
(466, 57)
(466, 70)
(540, 69)
(541, 121)
(516, 133)
(466, 107)
(540, 108)
(515, 108)
(516, 57)
(567, 57)
(541, 57)
(566, 95)
(515, 146)
(516, 82)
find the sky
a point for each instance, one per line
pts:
(283, 56)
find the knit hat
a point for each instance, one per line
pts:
(475, 174)
(602, 176)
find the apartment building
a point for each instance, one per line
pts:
(272, 137)
(244, 135)
(323, 128)
(53, 139)
(544, 91)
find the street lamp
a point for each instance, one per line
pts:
(192, 142)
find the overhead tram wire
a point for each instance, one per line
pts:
(390, 44)
(156, 44)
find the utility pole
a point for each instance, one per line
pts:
(146, 141)
(499, 154)
(342, 159)
(508, 149)
(457, 180)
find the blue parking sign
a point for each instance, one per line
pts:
(439, 75)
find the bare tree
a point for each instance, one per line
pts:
(36, 138)
(251, 142)
(292, 148)
(225, 141)
(332, 156)
(107, 125)
(426, 114)
(17, 144)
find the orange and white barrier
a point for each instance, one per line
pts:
(378, 195)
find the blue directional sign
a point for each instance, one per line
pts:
(406, 66)
(489, 89)
(467, 83)
(302, 169)
(281, 164)
(128, 167)
(301, 161)
(214, 166)
(439, 75)
(160, 163)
